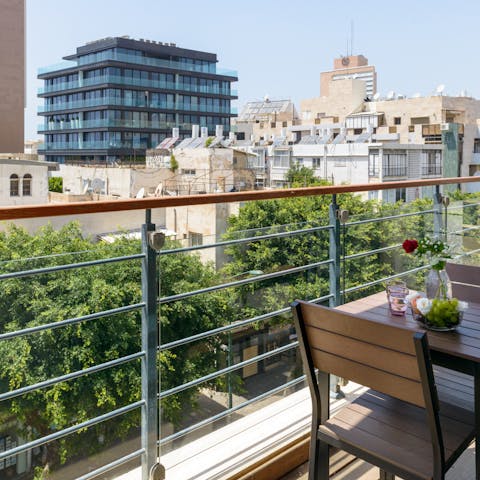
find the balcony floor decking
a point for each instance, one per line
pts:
(452, 386)
(464, 469)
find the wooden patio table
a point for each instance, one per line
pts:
(457, 350)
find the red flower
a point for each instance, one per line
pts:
(410, 245)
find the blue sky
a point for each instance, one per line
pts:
(278, 47)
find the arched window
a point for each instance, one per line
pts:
(14, 184)
(27, 185)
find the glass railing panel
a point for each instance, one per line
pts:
(136, 82)
(71, 322)
(253, 290)
(228, 347)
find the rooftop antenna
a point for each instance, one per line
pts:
(351, 37)
(440, 89)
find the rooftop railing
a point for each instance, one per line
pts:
(137, 59)
(220, 327)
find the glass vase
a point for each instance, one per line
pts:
(438, 285)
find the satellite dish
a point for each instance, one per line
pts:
(416, 95)
(266, 98)
(85, 188)
(158, 190)
(440, 89)
(463, 93)
(140, 193)
(390, 95)
(97, 185)
(376, 96)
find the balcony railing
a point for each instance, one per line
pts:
(235, 324)
(126, 102)
(122, 57)
(395, 171)
(136, 82)
(433, 169)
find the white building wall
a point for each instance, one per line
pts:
(39, 182)
(119, 182)
(95, 223)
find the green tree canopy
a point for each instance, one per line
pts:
(55, 184)
(40, 299)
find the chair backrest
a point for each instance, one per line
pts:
(373, 354)
(465, 281)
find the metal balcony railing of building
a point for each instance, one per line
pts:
(240, 361)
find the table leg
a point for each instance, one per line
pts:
(476, 380)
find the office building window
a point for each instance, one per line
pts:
(400, 195)
(281, 158)
(397, 120)
(27, 185)
(432, 162)
(394, 164)
(195, 239)
(476, 145)
(14, 185)
(374, 163)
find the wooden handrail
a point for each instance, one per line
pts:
(76, 208)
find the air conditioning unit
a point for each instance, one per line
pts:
(444, 127)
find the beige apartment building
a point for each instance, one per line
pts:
(12, 75)
(447, 121)
(350, 136)
(265, 120)
(351, 66)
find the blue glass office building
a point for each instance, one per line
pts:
(116, 97)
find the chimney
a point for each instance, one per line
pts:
(195, 131)
(204, 132)
(175, 132)
(219, 130)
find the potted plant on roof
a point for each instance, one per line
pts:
(437, 309)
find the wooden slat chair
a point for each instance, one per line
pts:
(400, 425)
(465, 281)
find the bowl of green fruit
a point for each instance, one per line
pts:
(439, 314)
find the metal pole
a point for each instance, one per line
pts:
(150, 339)
(334, 250)
(437, 216)
(229, 375)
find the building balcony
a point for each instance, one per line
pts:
(136, 82)
(107, 56)
(126, 102)
(92, 145)
(104, 123)
(394, 171)
(433, 169)
(87, 325)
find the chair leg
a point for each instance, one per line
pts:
(319, 465)
(386, 475)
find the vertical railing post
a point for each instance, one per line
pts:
(150, 339)
(438, 229)
(334, 251)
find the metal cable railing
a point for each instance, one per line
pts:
(151, 393)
